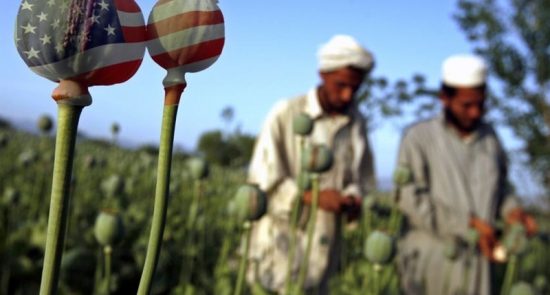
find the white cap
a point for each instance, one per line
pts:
(464, 70)
(342, 51)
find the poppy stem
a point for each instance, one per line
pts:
(68, 116)
(161, 198)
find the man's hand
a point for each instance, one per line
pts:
(329, 200)
(352, 206)
(517, 215)
(487, 239)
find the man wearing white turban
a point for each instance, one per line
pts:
(275, 165)
(456, 191)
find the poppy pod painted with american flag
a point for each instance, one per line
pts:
(90, 42)
(185, 36)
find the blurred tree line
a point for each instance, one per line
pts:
(514, 37)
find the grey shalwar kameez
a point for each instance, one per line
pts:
(452, 178)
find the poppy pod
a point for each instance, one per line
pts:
(45, 124)
(515, 240)
(184, 37)
(198, 168)
(108, 228)
(522, 288)
(451, 250)
(302, 124)
(249, 203)
(402, 175)
(379, 247)
(86, 42)
(317, 158)
(472, 237)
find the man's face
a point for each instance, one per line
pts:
(339, 88)
(465, 109)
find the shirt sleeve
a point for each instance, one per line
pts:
(268, 167)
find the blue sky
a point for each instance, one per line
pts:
(269, 54)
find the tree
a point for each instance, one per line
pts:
(514, 37)
(234, 150)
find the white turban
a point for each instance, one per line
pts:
(342, 51)
(464, 70)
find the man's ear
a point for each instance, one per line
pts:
(444, 99)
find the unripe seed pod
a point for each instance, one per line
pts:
(90, 161)
(249, 203)
(472, 237)
(304, 181)
(369, 203)
(515, 239)
(451, 250)
(115, 128)
(379, 247)
(45, 124)
(114, 185)
(109, 228)
(4, 140)
(302, 124)
(402, 175)
(27, 157)
(11, 196)
(522, 288)
(198, 167)
(317, 158)
(541, 283)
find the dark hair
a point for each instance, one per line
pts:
(450, 91)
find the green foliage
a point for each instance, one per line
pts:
(514, 37)
(201, 259)
(234, 150)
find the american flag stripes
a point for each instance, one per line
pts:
(185, 36)
(97, 42)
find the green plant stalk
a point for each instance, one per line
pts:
(447, 276)
(107, 250)
(161, 198)
(244, 259)
(293, 225)
(510, 275)
(68, 116)
(395, 217)
(310, 231)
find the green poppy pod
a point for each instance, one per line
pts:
(302, 124)
(451, 250)
(4, 140)
(472, 237)
(108, 228)
(114, 185)
(45, 124)
(27, 157)
(249, 203)
(115, 128)
(11, 196)
(198, 168)
(541, 283)
(522, 288)
(379, 247)
(402, 175)
(317, 158)
(369, 203)
(515, 240)
(304, 181)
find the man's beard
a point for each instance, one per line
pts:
(453, 120)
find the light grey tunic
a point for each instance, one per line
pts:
(275, 165)
(452, 178)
